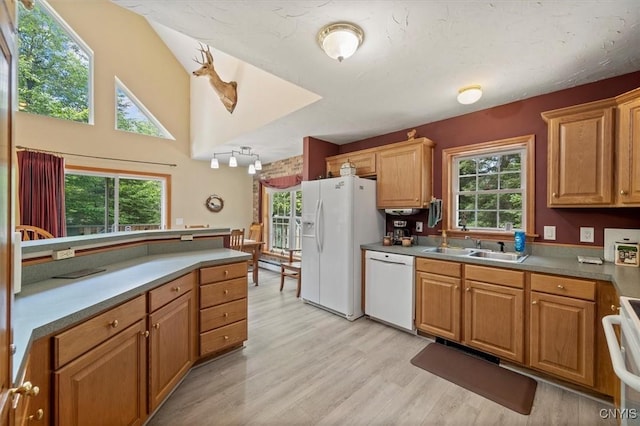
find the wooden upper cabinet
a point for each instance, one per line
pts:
(365, 162)
(628, 154)
(580, 155)
(404, 173)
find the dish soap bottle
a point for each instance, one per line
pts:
(519, 240)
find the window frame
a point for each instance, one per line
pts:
(450, 155)
(165, 213)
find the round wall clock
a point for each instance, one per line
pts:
(214, 203)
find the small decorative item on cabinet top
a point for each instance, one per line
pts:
(348, 169)
(626, 253)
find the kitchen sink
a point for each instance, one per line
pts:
(450, 250)
(495, 255)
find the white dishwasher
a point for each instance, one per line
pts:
(390, 289)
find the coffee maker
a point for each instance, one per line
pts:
(400, 230)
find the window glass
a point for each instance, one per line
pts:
(133, 116)
(286, 220)
(54, 66)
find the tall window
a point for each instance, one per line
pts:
(490, 186)
(286, 220)
(100, 202)
(133, 116)
(54, 66)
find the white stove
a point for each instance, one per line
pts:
(625, 357)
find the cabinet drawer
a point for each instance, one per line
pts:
(494, 275)
(563, 286)
(451, 269)
(79, 339)
(224, 314)
(164, 294)
(223, 337)
(223, 272)
(223, 292)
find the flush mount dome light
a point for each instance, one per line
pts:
(470, 94)
(340, 40)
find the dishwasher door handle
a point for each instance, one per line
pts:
(388, 261)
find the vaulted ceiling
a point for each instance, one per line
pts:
(415, 57)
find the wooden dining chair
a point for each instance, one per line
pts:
(255, 232)
(236, 239)
(28, 232)
(292, 268)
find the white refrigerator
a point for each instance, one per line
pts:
(338, 215)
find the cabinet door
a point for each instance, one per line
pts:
(34, 410)
(365, 163)
(107, 385)
(172, 340)
(562, 336)
(580, 157)
(629, 152)
(399, 181)
(438, 310)
(494, 320)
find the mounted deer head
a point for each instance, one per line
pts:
(227, 92)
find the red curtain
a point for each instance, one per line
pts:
(41, 191)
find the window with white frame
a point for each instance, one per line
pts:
(285, 212)
(490, 186)
(54, 66)
(101, 201)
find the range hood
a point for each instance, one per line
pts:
(401, 212)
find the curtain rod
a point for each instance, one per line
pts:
(93, 156)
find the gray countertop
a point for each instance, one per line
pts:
(625, 279)
(48, 306)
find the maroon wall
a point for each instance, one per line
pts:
(516, 119)
(314, 152)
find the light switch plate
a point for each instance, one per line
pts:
(586, 234)
(549, 232)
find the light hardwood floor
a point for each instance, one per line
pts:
(303, 365)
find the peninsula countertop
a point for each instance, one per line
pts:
(625, 279)
(48, 306)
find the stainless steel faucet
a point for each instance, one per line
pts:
(476, 241)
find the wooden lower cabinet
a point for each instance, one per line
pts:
(172, 346)
(35, 409)
(438, 312)
(494, 319)
(107, 385)
(562, 337)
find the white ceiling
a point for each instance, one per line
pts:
(415, 56)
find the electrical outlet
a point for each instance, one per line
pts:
(586, 234)
(179, 221)
(63, 254)
(188, 237)
(418, 226)
(549, 232)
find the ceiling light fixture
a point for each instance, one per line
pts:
(245, 151)
(469, 94)
(340, 40)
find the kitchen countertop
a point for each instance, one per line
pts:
(48, 306)
(626, 279)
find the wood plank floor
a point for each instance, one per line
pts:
(303, 365)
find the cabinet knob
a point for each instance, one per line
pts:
(535, 302)
(467, 289)
(156, 325)
(26, 389)
(455, 287)
(145, 333)
(615, 308)
(225, 314)
(226, 272)
(39, 415)
(554, 195)
(226, 292)
(176, 289)
(114, 323)
(623, 192)
(226, 337)
(560, 286)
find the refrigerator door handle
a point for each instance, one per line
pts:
(320, 226)
(317, 224)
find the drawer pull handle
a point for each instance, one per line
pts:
(535, 302)
(560, 286)
(176, 289)
(145, 333)
(113, 323)
(156, 325)
(26, 389)
(39, 415)
(226, 337)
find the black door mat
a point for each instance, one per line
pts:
(489, 380)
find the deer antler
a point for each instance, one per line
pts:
(227, 91)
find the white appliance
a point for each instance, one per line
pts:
(338, 215)
(390, 290)
(625, 357)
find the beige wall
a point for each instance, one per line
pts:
(124, 45)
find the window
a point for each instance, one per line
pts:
(285, 211)
(133, 116)
(101, 201)
(490, 186)
(54, 66)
